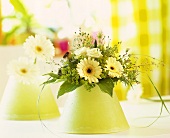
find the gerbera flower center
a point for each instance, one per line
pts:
(89, 70)
(38, 48)
(112, 68)
(24, 71)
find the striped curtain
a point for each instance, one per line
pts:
(0, 22)
(144, 27)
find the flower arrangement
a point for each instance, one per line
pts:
(92, 62)
(26, 69)
(24, 87)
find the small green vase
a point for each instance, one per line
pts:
(92, 112)
(20, 102)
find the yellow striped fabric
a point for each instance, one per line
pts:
(144, 27)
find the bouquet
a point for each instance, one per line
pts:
(27, 69)
(92, 61)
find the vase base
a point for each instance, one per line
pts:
(116, 130)
(29, 117)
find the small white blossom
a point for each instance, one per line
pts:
(23, 70)
(81, 51)
(94, 52)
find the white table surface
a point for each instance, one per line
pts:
(133, 112)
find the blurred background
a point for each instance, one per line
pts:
(141, 25)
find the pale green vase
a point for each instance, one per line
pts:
(92, 112)
(20, 102)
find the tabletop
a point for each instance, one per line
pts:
(139, 116)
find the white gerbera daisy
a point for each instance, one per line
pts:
(39, 47)
(23, 70)
(89, 69)
(115, 68)
(94, 52)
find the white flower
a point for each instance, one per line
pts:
(81, 51)
(39, 47)
(115, 68)
(23, 70)
(89, 69)
(134, 93)
(94, 52)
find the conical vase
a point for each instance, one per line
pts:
(92, 112)
(21, 102)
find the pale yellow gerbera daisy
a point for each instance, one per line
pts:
(39, 47)
(23, 70)
(89, 69)
(115, 68)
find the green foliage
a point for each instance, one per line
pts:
(50, 81)
(19, 7)
(52, 74)
(66, 87)
(24, 25)
(106, 85)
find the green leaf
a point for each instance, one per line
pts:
(163, 103)
(60, 80)
(106, 85)
(49, 81)
(51, 74)
(66, 87)
(19, 6)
